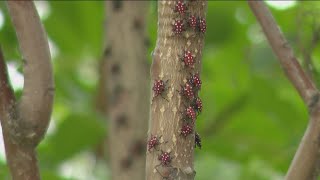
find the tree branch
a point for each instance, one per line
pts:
(21, 160)
(6, 92)
(306, 160)
(282, 49)
(25, 125)
(37, 99)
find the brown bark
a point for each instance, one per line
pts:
(306, 161)
(25, 123)
(165, 117)
(36, 101)
(127, 78)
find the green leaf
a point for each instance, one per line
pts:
(77, 132)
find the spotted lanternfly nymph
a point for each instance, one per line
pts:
(165, 158)
(195, 81)
(197, 104)
(187, 91)
(180, 7)
(191, 113)
(188, 59)
(202, 25)
(186, 130)
(153, 142)
(192, 22)
(178, 26)
(159, 86)
(197, 140)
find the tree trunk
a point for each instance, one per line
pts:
(24, 123)
(128, 82)
(166, 119)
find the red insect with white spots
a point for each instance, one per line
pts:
(195, 81)
(191, 113)
(180, 7)
(165, 158)
(188, 59)
(187, 91)
(159, 86)
(186, 130)
(202, 25)
(178, 27)
(197, 104)
(192, 21)
(153, 142)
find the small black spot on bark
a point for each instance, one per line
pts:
(314, 100)
(117, 5)
(117, 92)
(137, 24)
(126, 163)
(122, 121)
(115, 69)
(138, 148)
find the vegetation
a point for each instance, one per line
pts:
(252, 119)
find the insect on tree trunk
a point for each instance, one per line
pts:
(127, 78)
(176, 58)
(25, 123)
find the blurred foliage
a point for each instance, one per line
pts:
(257, 139)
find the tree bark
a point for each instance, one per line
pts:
(127, 78)
(305, 165)
(24, 124)
(166, 119)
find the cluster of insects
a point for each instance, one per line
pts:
(189, 91)
(191, 86)
(187, 20)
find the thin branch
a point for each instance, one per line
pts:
(37, 99)
(225, 116)
(305, 163)
(6, 92)
(282, 49)
(21, 160)
(25, 125)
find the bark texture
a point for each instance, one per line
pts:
(305, 165)
(128, 82)
(24, 124)
(165, 116)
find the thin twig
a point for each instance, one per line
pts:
(306, 160)
(282, 49)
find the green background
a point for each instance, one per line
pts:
(252, 120)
